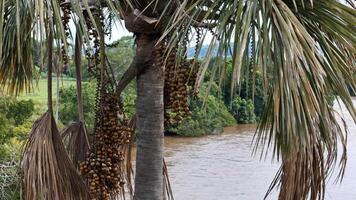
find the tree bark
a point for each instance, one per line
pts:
(150, 127)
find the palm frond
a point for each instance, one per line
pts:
(47, 170)
(16, 45)
(21, 21)
(75, 137)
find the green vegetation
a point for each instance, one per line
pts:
(16, 118)
(39, 93)
(207, 115)
(243, 111)
(14, 122)
(68, 110)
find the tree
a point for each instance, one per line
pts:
(304, 49)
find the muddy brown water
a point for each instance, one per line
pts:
(221, 167)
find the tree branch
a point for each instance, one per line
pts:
(127, 77)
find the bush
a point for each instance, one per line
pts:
(15, 123)
(20, 111)
(244, 90)
(205, 118)
(129, 100)
(10, 179)
(15, 118)
(6, 127)
(243, 111)
(68, 110)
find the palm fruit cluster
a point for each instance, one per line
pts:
(92, 51)
(104, 165)
(179, 81)
(66, 9)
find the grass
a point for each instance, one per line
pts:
(39, 93)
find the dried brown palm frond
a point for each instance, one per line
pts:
(302, 175)
(167, 184)
(47, 170)
(75, 137)
(128, 157)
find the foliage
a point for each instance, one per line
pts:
(246, 89)
(121, 54)
(84, 69)
(207, 116)
(68, 110)
(243, 111)
(9, 177)
(15, 124)
(39, 94)
(258, 97)
(20, 110)
(129, 101)
(5, 129)
(15, 118)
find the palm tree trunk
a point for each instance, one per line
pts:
(149, 108)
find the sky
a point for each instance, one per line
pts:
(119, 31)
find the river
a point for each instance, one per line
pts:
(221, 167)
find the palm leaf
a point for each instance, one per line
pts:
(16, 57)
(47, 170)
(75, 137)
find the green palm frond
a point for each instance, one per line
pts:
(16, 45)
(21, 21)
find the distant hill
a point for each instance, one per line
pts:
(203, 51)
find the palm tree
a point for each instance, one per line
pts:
(304, 49)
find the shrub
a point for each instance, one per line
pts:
(68, 110)
(10, 179)
(129, 101)
(206, 117)
(15, 123)
(243, 111)
(244, 90)
(20, 111)
(15, 118)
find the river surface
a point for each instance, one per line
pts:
(221, 167)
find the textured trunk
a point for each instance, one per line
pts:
(149, 165)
